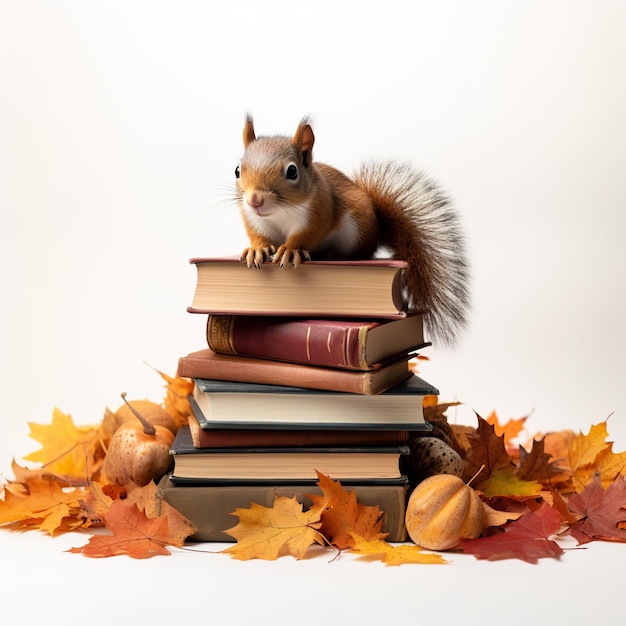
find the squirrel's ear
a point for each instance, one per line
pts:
(303, 142)
(248, 131)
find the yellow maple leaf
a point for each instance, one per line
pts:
(66, 449)
(269, 532)
(608, 465)
(493, 517)
(584, 451)
(503, 482)
(394, 554)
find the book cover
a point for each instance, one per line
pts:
(226, 404)
(227, 367)
(367, 289)
(274, 437)
(284, 463)
(339, 343)
(209, 507)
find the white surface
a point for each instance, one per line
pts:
(120, 129)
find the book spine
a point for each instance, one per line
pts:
(311, 342)
(209, 508)
(253, 438)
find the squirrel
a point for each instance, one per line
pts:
(295, 210)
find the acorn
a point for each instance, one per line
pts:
(430, 456)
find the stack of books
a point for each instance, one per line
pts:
(305, 370)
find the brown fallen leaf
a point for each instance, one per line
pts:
(492, 470)
(536, 465)
(486, 455)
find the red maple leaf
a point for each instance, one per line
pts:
(525, 538)
(601, 511)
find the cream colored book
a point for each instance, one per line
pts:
(372, 288)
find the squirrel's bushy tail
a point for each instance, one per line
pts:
(419, 224)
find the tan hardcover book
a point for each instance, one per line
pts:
(368, 289)
(209, 507)
(284, 463)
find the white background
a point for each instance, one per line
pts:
(120, 128)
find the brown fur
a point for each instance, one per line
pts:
(389, 204)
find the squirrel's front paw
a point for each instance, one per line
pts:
(290, 256)
(255, 257)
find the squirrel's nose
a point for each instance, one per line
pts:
(255, 200)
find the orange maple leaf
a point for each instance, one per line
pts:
(177, 397)
(39, 501)
(269, 532)
(66, 449)
(343, 516)
(95, 504)
(133, 534)
(509, 430)
(146, 499)
(392, 554)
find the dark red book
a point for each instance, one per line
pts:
(340, 343)
(276, 437)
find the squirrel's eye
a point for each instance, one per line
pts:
(291, 172)
(237, 172)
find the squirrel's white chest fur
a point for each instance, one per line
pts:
(280, 222)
